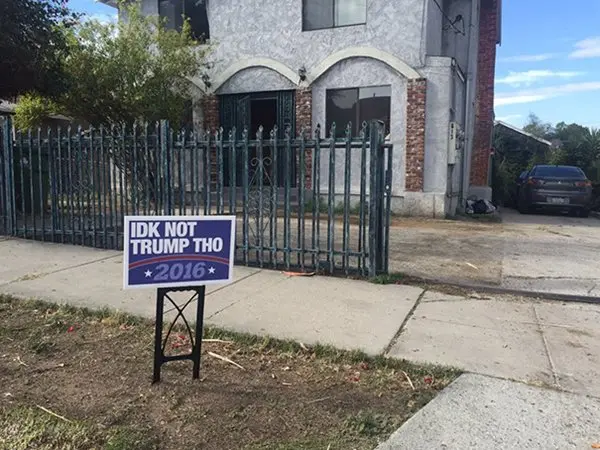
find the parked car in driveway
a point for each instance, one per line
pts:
(565, 188)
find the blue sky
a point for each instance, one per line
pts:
(93, 8)
(548, 63)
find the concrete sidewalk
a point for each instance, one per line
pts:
(482, 413)
(548, 344)
(344, 313)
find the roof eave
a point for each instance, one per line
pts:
(523, 132)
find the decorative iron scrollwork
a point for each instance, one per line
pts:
(260, 191)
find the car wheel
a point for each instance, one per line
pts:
(584, 213)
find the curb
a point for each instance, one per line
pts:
(506, 291)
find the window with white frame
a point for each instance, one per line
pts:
(321, 14)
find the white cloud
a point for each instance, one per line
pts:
(536, 95)
(509, 118)
(587, 48)
(529, 58)
(531, 76)
(103, 18)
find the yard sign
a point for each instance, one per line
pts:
(178, 251)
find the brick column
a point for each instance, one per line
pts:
(415, 134)
(210, 109)
(211, 122)
(484, 101)
(303, 103)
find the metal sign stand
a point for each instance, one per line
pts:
(195, 337)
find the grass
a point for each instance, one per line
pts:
(93, 369)
(389, 278)
(28, 427)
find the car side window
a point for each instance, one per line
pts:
(523, 175)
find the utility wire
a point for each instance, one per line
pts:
(452, 23)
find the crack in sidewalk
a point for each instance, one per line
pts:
(396, 337)
(546, 348)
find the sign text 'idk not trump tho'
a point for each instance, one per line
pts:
(178, 251)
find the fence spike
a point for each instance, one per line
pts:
(318, 131)
(332, 131)
(363, 130)
(259, 133)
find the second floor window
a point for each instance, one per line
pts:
(174, 12)
(320, 14)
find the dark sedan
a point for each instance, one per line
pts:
(563, 188)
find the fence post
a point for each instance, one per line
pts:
(165, 162)
(6, 177)
(376, 199)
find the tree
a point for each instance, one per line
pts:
(538, 128)
(33, 46)
(32, 109)
(126, 72)
(579, 146)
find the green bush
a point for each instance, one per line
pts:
(31, 111)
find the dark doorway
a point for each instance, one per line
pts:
(250, 111)
(263, 111)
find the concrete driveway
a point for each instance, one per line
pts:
(551, 253)
(539, 253)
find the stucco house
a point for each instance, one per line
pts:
(424, 67)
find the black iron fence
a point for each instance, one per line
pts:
(304, 202)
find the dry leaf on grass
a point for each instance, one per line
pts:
(222, 358)
(303, 347)
(220, 341)
(409, 380)
(299, 274)
(52, 413)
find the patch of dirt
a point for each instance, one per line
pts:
(447, 250)
(96, 368)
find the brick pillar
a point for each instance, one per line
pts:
(210, 108)
(211, 122)
(484, 101)
(415, 134)
(304, 121)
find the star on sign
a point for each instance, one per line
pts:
(148, 274)
(211, 270)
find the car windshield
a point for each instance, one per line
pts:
(558, 172)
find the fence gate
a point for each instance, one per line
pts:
(309, 203)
